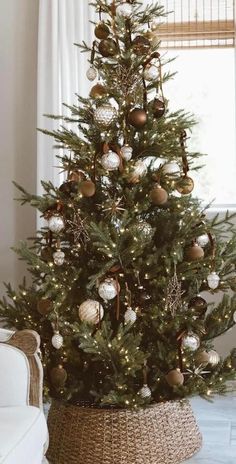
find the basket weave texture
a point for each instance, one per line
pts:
(165, 433)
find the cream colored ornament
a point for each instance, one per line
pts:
(234, 317)
(105, 116)
(56, 223)
(191, 341)
(214, 357)
(59, 257)
(151, 73)
(91, 74)
(213, 280)
(145, 392)
(171, 168)
(124, 9)
(126, 152)
(57, 340)
(91, 311)
(139, 170)
(130, 316)
(108, 290)
(202, 240)
(110, 161)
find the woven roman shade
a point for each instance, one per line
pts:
(197, 24)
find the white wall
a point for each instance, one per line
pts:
(18, 80)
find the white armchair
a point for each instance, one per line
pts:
(23, 428)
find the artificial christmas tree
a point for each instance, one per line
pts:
(119, 269)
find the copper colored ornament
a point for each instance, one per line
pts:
(108, 48)
(141, 45)
(87, 188)
(44, 306)
(47, 254)
(198, 305)
(101, 31)
(202, 358)
(98, 91)
(185, 185)
(175, 378)
(58, 376)
(158, 195)
(157, 106)
(137, 118)
(69, 187)
(76, 176)
(194, 253)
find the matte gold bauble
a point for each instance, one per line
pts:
(98, 91)
(102, 31)
(47, 254)
(137, 118)
(44, 306)
(58, 376)
(175, 378)
(108, 48)
(87, 188)
(158, 195)
(185, 185)
(141, 45)
(202, 358)
(194, 252)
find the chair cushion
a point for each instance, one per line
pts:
(23, 434)
(15, 377)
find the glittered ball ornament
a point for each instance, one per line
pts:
(175, 378)
(151, 73)
(138, 170)
(105, 116)
(110, 161)
(157, 107)
(191, 341)
(144, 229)
(57, 340)
(141, 45)
(145, 392)
(137, 118)
(198, 305)
(108, 48)
(171, 169)
(59, 257)
(126, 152)
(58, 376)
(56, 223)
(130, 316)
(203, 240)
(213, 280)
(185, 185)
(124, 9)
(102, 31)
(194, 252)
(108, 289)
(98, 91)
(158, 195)
(91, 311)
(91, 74)
(214, 358)
(87, 188)
(202, 358)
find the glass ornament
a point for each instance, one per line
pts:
(56, 223)
(91, 74)
(214, 357)
(145, 392)
(203, 240)
(124, 9)
(110, 161)
(126, 152)
(57, 340)
(130, 316)
(151, 73)
(108, 290)
(213, 280)
(91, 311)
(171, 169)
(105, 116)
(191, 341)
(59, 257)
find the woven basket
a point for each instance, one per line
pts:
(165, 433)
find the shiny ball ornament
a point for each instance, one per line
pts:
(56, 223)
(198, 305)
(203, 240)
(59, 258)
(175, 378)
(185, 185)
(138, 171)
(110, 161)
(158, 195)
(98, 91)
(44, 306)
(124, 9)
(87, 188)
(102, 31)
(57, 340)
(214, 358)
(145, 392)
(137, 118)
(202, 358)
(108, 289)
(91, 74)
(151, 73)
(108, 48)
(141, 45)
(157, 107)
(194, 253)
(126, 152)
(58, 376)
(171, 169)
(91, 311)
(144, 229)
(191, 342)
(105, 116)
(130, 316)
(213, 280)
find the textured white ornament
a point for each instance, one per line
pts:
(110, 161)
(56, 224)
(171, 168)
(151, 73)
(124, 9)
(107, 290)
(59, 257)
(203, 240)
(91, 311)
(57, 340)
(105, 115)
(145, 229)
(91, 74)
(138, 171)
(214, 358)
(130, 316)
(145, 392)
(213, 280)
(191, 341)
(126, 152)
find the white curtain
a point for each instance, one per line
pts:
(61, 71)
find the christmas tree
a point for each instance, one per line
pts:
(118, 269)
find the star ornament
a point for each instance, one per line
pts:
(112, 207)
(197, 371)
(76, 226)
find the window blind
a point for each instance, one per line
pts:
(197, 23)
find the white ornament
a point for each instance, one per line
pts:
(105, 115)
(91, 311)
(171, 168)
(59, 257)
(130, 316)
(234, 317)
(57, 340)
(144, 229)
(56, 223)
(151, 73)
(191, 341)
(214, 358)
(145, 392)
(108, 290)
(213, 280)
(138, 171)
(91, 74)
(124, 9)
(110, 161)
(126, 152)
(203, 240)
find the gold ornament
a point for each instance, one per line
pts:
(194, 253)
(87, 188)
(98, 91)
(108, 48)
(185, 185)
(58, 376)
(77, 228)
(102, 31)
(173, 295)
(175, 378)
(137, 118)
(158, 195)
(202, 358)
